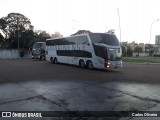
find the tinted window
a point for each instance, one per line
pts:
(68, 41)
(77, 40)
(74, 53)
(100, 51)
(104, 38)
(55, 42)
(36, 52)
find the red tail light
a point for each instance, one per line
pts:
(106, 63)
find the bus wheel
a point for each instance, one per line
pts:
(89, 64)
(51, 60)
(42, 58)
(55, 61)
(82, 63)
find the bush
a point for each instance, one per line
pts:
(156, 55)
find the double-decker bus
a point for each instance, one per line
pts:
(38, 51)
(93, 50)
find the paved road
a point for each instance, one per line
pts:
(40, 86)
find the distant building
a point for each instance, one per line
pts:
(157, 40)
(133, 45)
(125, 43)
(142, 46)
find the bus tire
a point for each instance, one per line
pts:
(55, 61)
(89, 64)
(82, 63)
(42, 58)
(51, 60)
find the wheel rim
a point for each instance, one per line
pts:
(82, 64)
(42, 58)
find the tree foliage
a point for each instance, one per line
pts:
(79, 32)
(138, 49)
(129, 52)
(17, 27)
(124, 50)
(14, 26)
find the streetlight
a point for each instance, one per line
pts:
(119, 24)
(151, 32)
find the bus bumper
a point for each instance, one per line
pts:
(35, 56)
(114, 65)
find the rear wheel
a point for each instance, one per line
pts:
(55, 61)
(82, 63)
(51, 60)
(89, 64)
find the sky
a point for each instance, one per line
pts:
(68, 16)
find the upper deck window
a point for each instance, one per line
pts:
(108, 39)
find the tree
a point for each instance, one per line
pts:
(129, 52)
(3, 25)
(43, 36)
(151, 50)
(1, 40)
(138, 49)
(16, 25)
(79, 32)
(124, 50)
(56, 35)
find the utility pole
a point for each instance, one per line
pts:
(18, 34)
(119, 24)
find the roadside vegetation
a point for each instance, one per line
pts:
(141, 59)
(16, 31)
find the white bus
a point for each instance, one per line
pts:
(93, 50)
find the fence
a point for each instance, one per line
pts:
(141, 54)
(13, 54)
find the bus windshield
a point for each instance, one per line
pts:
(114, 54)
(36, 52)
(107, 39)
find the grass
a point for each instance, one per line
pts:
(141, 59)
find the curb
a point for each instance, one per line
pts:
(143, 63)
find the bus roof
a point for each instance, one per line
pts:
(77, 35)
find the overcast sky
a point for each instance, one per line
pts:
(69, 16)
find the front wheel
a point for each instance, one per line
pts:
(89, 65)
(82, 63)
(55, 61)
(42, 58)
